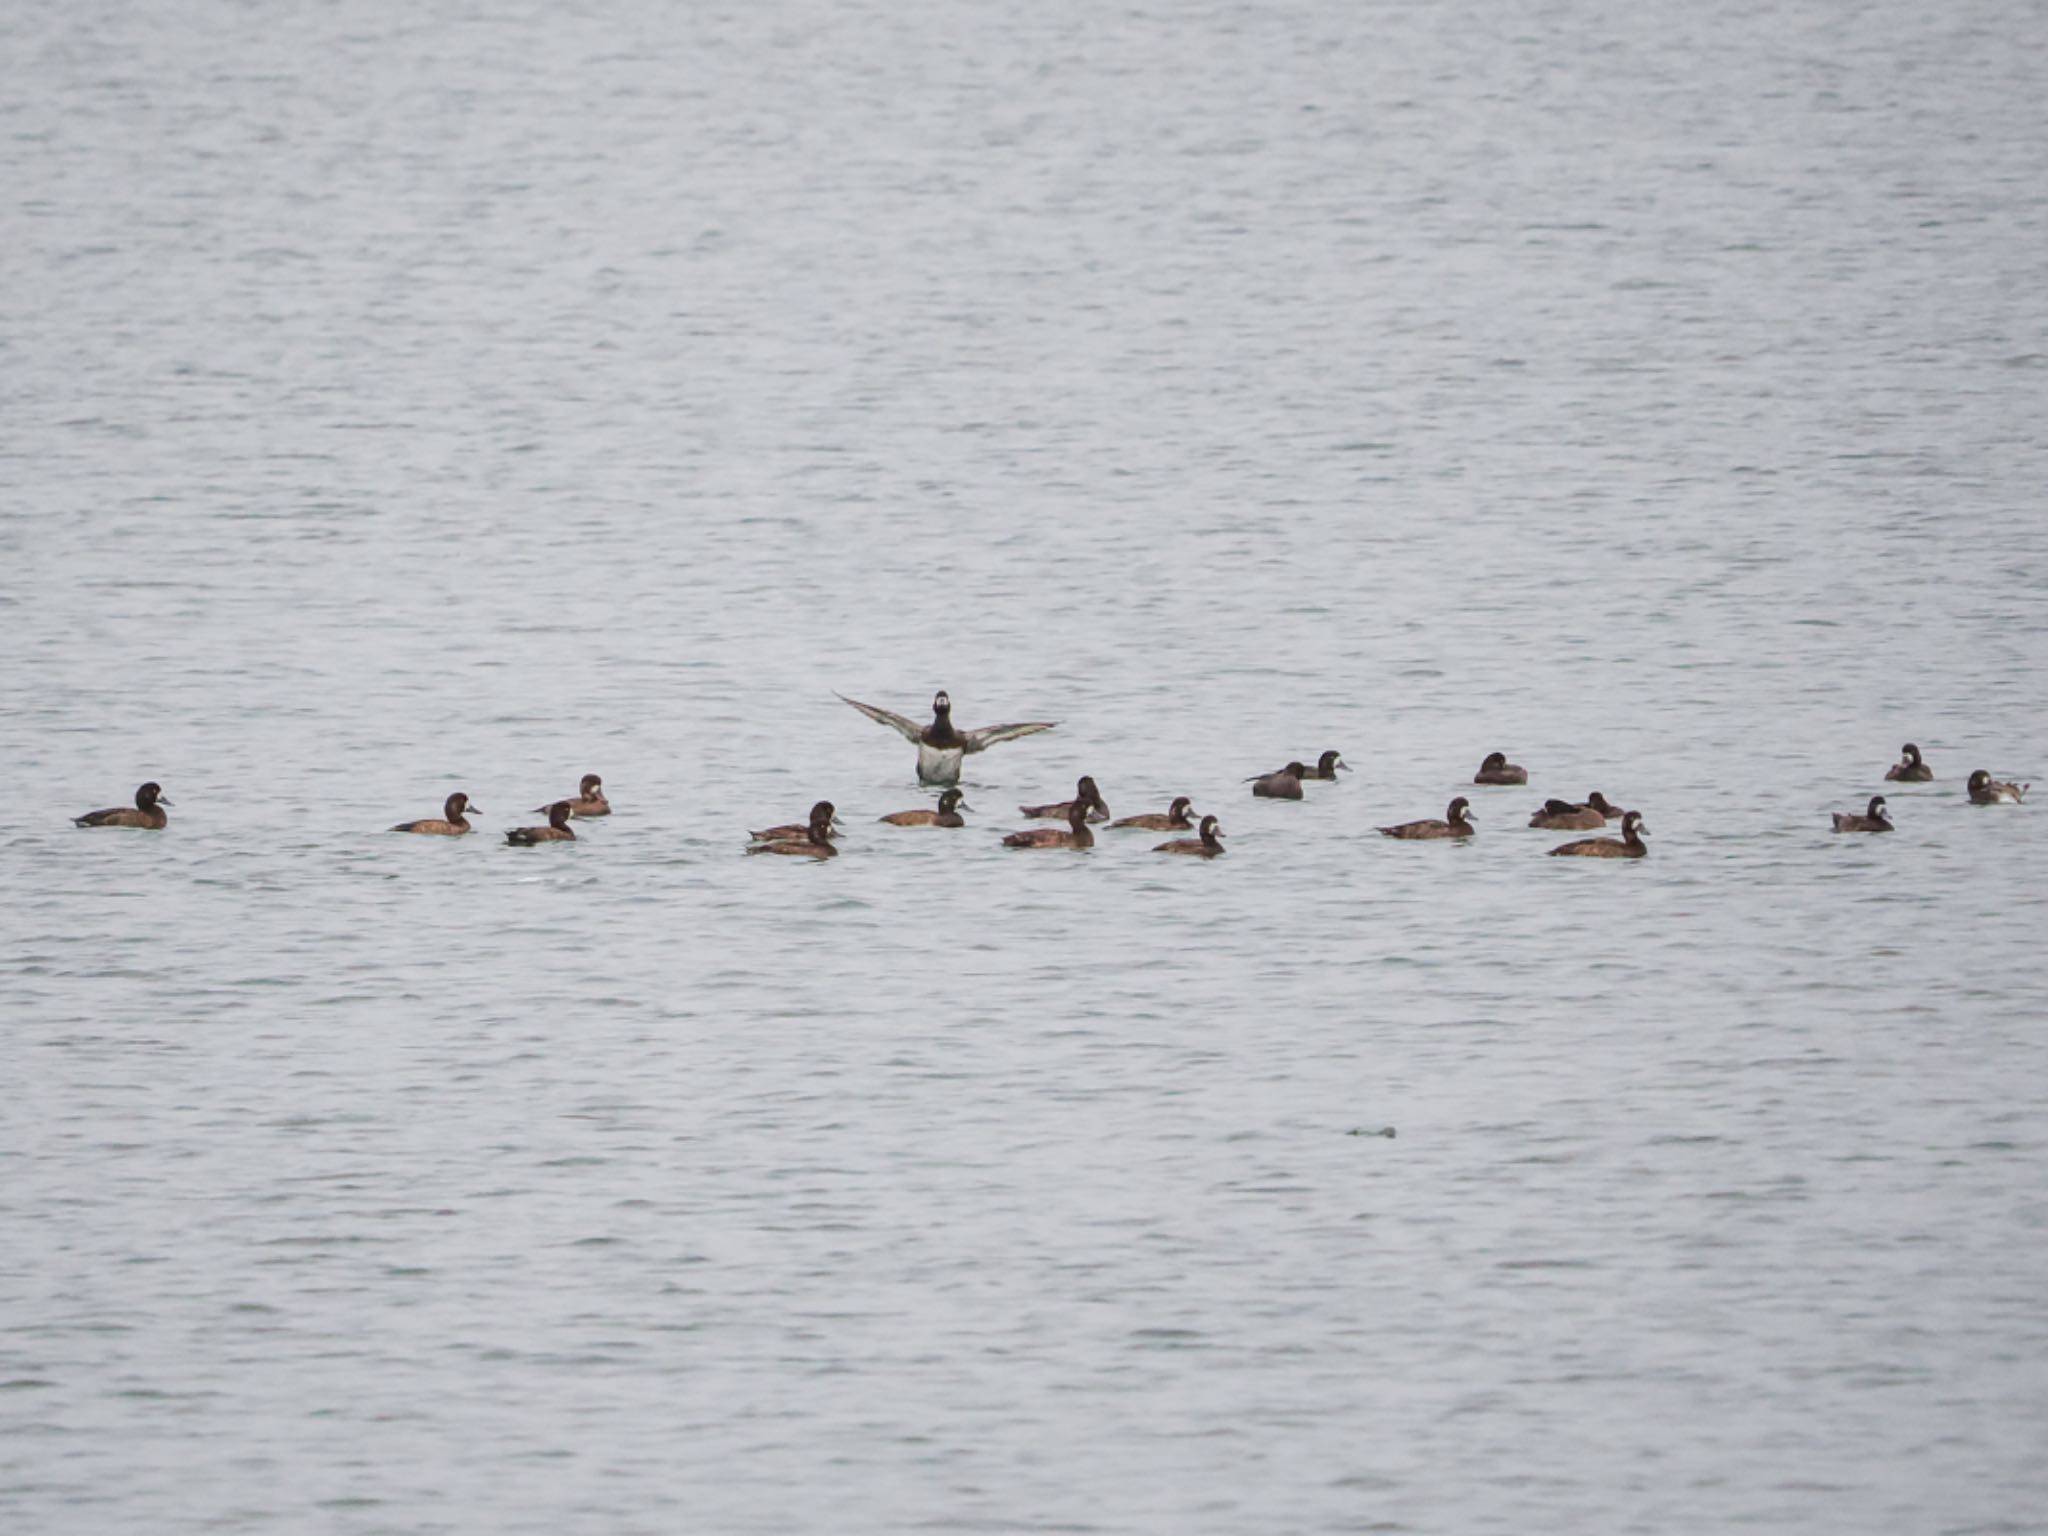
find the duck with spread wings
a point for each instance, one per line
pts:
(941, 745)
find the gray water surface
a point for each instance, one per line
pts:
(396, 400)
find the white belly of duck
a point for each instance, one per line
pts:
(939, 765)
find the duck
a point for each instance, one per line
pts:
(1629, 846)
(451, 823)
(1457, 822)
(941, 746)
(1179, 817)
(1208, 845)
(1563, 816)
(797, 831)
(589, 801)
(1909, 769)
(1077, 834)
(146, 812)
(1875, 819)
(951, 804)
(1984, 790)
(556, 831)
(1326, 767)
(1281, 784)
(1085, 794)
(1498, 770)
(816, 842)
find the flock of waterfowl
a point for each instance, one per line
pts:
(941, 748)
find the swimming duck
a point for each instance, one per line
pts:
(1085, 794)
(1876, 819)
(1563, 816)
(1326, 766)
(951, 804)
(1281, 784)
(452, 823)
(1077, 834)
(1207, 846)
(1630, 845)
(1179, 817)
(1498, 770)
(556, 831)
(146, 812)
(589, 801)
(940, 746)
(1457, 822)
(1909, 769)
(816, 843)
(797, 831)
(1984, 790)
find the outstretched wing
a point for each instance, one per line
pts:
(981, 740)
(906, 728)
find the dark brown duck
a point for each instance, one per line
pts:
(951, 804)
(1179, 817)
(1496, 769)
(816, 843)
(1875, 819)
(1984, 790)
(589, 801)
(1281, 784)
(1628, 846)
(146, 812)
(1457, 822)
(1326, 767)
(556, 831)
(1909, 769)
(798, 831)
(451, 823)
(1563, 816)
(1206, 846)
(1086, 795)
(1077, 834)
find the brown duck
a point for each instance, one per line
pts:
(798, 831)
(146, 812)
(951, 804)
(1909, 769)
(1077, 834)
(1496, 769)
(1179, 817)
(1984, 790)
(1628, 846)
(1086, 795)
(1563, 816)
(556, 831)
(816, 842)
(1208, 845)
(452, 821)
(1457, 822)
(589, 801)
(1875, 819)
(1281, 784)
